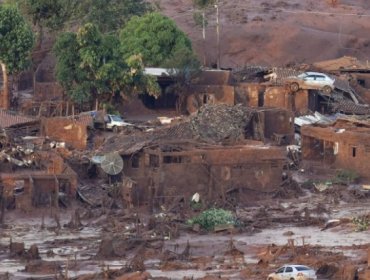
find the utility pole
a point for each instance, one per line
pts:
(204, 38)
(218, 34)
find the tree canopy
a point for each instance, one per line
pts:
(16, 39)
(203, 3)
(107, 15)
(155, 37)
(111, 15)
(16, 43)
(51, 14)
(89, 65)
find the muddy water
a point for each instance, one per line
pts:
(76, 249)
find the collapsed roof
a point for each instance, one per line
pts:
(212, 124)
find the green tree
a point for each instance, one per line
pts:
(111, 15)
(89, 65)
(16, 43)
(50, 14)
(154, 36)
(203, 3)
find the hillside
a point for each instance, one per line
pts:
(278, 32)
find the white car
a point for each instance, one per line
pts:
(293, 272)
(115, 122)
(311, 80)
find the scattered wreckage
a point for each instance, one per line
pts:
(141, 188)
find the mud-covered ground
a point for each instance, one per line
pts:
(109, 243)
(276, 32)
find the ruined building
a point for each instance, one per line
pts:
(344, 145)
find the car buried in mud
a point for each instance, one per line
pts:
(110, 122)
(293, 272)
(311, 80)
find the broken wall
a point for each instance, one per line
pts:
(65, 130)
(163, 176)
(274, 124)
(345, 149)
(32, 187)
(282, 97)
(199, 95)
(249, 94)
(213, 77)
(362, 78)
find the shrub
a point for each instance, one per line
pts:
(346, 177)
(210, 218)
(362, 223)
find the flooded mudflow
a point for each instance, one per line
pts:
(75, 250)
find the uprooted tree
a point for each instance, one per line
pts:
(91, 67)
(16, 43)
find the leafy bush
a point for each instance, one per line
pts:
(362, 223)
(210, 218)
(346, 177)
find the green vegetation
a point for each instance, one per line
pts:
(89, 66)
(161, 44)
(210, 218)
(107, 15)
(49, 14)
(16, 43)
(203, 3)
(342, 177)
(111, 15)
(156, 38)
(96, 63)
(346, 177)
(362, 223)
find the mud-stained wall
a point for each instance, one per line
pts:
(276, 123)
(199, 95)
(281, 97)
(278, 97)
(249, 94)
(362, 78)
(343, 148)
(361, 84)
(65, 130)
(213, 77)
(301, 102)
(210, 172)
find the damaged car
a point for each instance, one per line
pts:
(311, 80)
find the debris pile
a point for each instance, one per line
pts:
(218, 123)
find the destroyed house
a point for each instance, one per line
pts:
(208, 87)
(344, 145)
(173, 171)
(34, 178)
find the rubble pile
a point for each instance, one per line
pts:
(218, 123)
(349, 107)
(19, 155)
